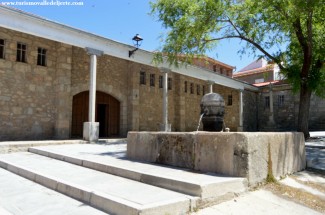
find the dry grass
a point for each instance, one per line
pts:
(298, 195)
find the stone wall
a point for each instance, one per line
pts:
(253, 155)
(113, 76)
(29, 94)
(286, 112)
(250, 111)
(36, 101)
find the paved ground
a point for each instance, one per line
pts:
(30, 199)
(265, 202)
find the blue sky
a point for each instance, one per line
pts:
(120, 20)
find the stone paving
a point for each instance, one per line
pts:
(19, 196)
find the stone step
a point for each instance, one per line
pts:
(109, 193)
(20, 196)
(111, 159)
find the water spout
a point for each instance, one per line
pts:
(200, 121)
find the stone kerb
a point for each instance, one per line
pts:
(252, 155)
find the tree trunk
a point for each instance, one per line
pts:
(304, 104)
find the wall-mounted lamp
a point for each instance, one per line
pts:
(137, 40)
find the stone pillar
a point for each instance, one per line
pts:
(165, 125)
(91, 128)
(241, 110)
(62, 86)
(211, 83)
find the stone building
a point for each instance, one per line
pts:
(277, 105)
(259, 71)
(54, 78)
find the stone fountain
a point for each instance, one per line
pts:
(253, 155)
(213, 111)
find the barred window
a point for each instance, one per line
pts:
(198, 89)
(152, 80)
(41, 57)
(229, 103)
(185, 86)
(192, 88)
(281, 100)
(203, 90)
(160, 81)
(170, 83)
(21, 52)
(143, 78)
(2, 49)
(267, 102)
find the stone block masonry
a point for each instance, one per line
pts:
(254, 155)
(36, 102)
(29, 92)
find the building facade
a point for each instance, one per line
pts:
(45, 83)
(277, 105)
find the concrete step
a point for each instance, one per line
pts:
(110, 158)
(109, 193)
(19, 196)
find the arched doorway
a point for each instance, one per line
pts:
(107, 114)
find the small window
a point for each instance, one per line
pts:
(169, 83)
(2, 49)
(215, 68)
(229, 103)
(203, 90)
(160, 81)
(198, 89)
(185, 86)
(281, 100)
(143, 78)
(152, 80)
(267, 102)
(21, 52)
(192, 88)
(41, 57)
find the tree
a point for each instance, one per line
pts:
(196, 26)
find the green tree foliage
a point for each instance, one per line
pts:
(196, 26)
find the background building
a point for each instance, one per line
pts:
(278, 105)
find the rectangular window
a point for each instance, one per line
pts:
(215, 68)
(267, 102)
(2, 49)
(152, 80)
(281, 100)
(198, 89)
(229, 103)
(143, 78)
(192, 88)
(160, 81)
(185, 86)
(41, 57)
(203, 90)
(21, 52)
(169, 83)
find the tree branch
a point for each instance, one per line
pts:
(276, 60)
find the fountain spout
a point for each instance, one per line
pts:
(198, 126)
(213, 110)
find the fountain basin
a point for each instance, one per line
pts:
(253, 155)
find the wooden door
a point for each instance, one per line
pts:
(107, 114)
